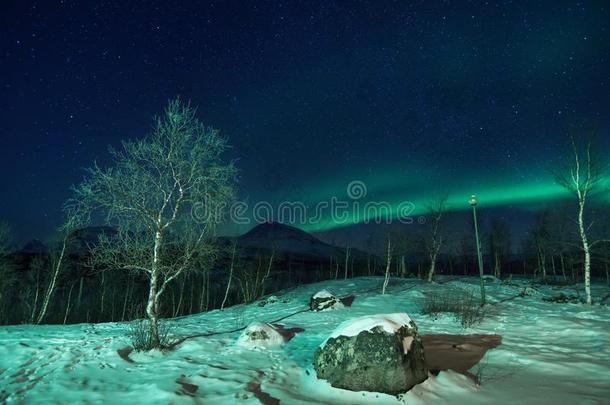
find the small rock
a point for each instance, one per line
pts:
(262, 335)
(324, 300)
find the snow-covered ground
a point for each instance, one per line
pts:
(550, 354)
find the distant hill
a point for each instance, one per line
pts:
(288, 240)
(35, 246)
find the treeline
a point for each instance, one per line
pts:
(549, 250)
(83, 293)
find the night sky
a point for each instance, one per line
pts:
(412, 98)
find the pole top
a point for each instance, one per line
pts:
(473, 200)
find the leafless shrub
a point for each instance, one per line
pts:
(139, 332)
(484, 373)
(463, 305)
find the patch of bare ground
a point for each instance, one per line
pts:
(124, 354)
(287, 333)
(457, 352)
(254, 387)
(348, 301)
(186, 388)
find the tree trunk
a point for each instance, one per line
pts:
(543, 263)
(68, 304)
(113, 301)
(224, 300)
(203, 291)
(51, 287)
(125, 300)
(152, 305)
(267, 273)
(33, 315)
(386, 279)
(192, 297)
(103, 296)
(497, 265)
(479, 258)
(80, 295)
(173, 303)
(563, 265)
(208, 291)
(586, 249)
(432, 269)
(177, 311)
(346, 261)
(606, 268)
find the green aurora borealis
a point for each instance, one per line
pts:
(530, 194)
(526, 195)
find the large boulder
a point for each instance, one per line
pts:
(378, 353)
(324, 300)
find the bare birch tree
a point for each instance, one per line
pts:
(499, 245)
(165, 194)
(581, 176)
(541, 238)
(435, 240)
(58, 260)
(347, 251)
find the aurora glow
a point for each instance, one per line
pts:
(533, 195)
(491, 196)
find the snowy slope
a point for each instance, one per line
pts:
(551, 353)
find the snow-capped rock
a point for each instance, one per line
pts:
(259, 334)
(380, 353)
(390, 323)
(324, 300)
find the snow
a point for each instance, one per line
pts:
(550, 353)
(324, 294)
(389, 322)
